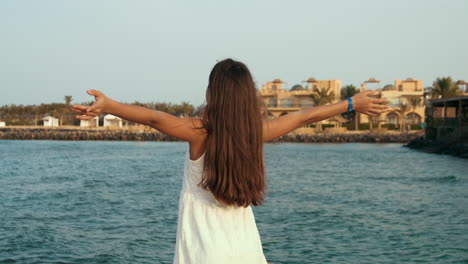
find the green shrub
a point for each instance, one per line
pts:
(390, 126)
(364, 126)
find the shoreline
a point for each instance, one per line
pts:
(350, 138)
(457, 149)
(79, 134)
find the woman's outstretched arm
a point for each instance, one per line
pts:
(182, 128)
(287, 123)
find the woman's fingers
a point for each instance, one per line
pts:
(95, 93)
(374, 111)
(379, 101)
(89, 112)
(85, 109)
(93, 108)
(85, 117)
(79, 108)
(370, 113)
(93, 114)
(368, 92)
(378, 106)
(82, 107)
(78, 111)
(377, 110)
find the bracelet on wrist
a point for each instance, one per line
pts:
(350, 104)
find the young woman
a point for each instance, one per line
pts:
(224, 171)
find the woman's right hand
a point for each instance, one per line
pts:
(365, 104)
(101, 105)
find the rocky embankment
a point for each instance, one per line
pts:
(129, 135)
(454, 149)
(351, 138)
(81, 134)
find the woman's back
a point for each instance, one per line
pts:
(227, 145)
(209, 232)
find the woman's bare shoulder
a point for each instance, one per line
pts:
(198, 125)
(197, 146)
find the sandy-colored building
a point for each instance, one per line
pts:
(50, 121)
(399, 94)
(2, 124)
(447, 122)
(112, 121)
(463, 87)
(282, 101)
(94, 122)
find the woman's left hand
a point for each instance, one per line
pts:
(101, 105)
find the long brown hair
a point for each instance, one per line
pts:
(233, 164)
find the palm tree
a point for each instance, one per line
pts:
(402, 110)
(349, 91)
(413, 103)
(68, 99)
(297, 87)
(443, 88)
(320, 97)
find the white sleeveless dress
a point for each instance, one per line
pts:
(210, 233)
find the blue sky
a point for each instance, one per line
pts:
(163, 51)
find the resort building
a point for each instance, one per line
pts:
(2, 124)
(447, 120)
(112, 121)
(94, 122)
(463, 87)
(402, 102)
(281, 101)
(50, 121)
(406, 100)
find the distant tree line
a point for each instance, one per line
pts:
(31, 115)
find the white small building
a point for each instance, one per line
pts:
(94, 122)
(2, 124)
(50, 121)
(112, 121)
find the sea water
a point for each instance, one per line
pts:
(116, 202)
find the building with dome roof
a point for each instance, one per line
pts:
(398, 94)
(281, 100)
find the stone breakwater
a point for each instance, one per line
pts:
(351, 138)
(81, 134)
(129, 135)
(458, 149)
